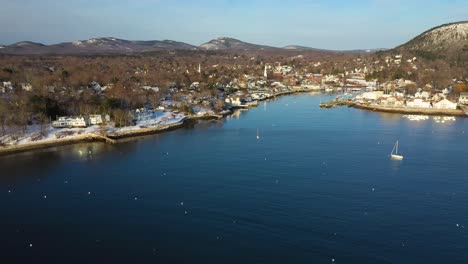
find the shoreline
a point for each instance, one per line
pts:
(413, 111)
(110, 138)
(115, 138)
(15, 149)
(396, 110)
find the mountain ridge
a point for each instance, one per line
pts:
(111, 45)
(226, 43)
(94, 46)
(444, 41)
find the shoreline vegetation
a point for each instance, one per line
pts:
(113, 137)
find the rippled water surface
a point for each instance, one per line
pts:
(318, 186)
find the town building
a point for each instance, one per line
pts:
(445, 104)
(463, 98)
(66, 121)
(418, 103)
(95, 120)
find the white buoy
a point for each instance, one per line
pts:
(181, 203)
(45, 196)
(30, 245)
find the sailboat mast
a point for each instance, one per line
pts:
(396, 148)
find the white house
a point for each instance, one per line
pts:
(311, 86)
(65, 121)
(422, 94)
(445, 104)
(95, 120)
(26, 87)
(418, 103)
(195, 86)
(234, 101)
(330, 78)
(463, 98)
(372, 95)
(391, 101)
(153, 88)
(6, 86)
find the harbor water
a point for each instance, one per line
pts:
(315, 186)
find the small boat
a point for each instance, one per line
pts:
(394, 154)
(258, 135)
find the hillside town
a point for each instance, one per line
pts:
(59, 103)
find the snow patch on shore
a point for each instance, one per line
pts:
(33, 133)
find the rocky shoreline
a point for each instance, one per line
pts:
(413, 111)
(396, 110)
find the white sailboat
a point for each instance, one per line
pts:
(394, 154)
(258, 135)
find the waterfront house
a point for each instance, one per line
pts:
(418, 103)
(95, 120)
(235, 101)
(65, 121)
(311, 86)
(372, 95)
(391, 101)
(445, 104)
(463, 98)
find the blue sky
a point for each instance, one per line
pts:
(330, 24)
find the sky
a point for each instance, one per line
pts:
(327, 24)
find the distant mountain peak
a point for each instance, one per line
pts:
(26, 44)
(226, 43)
